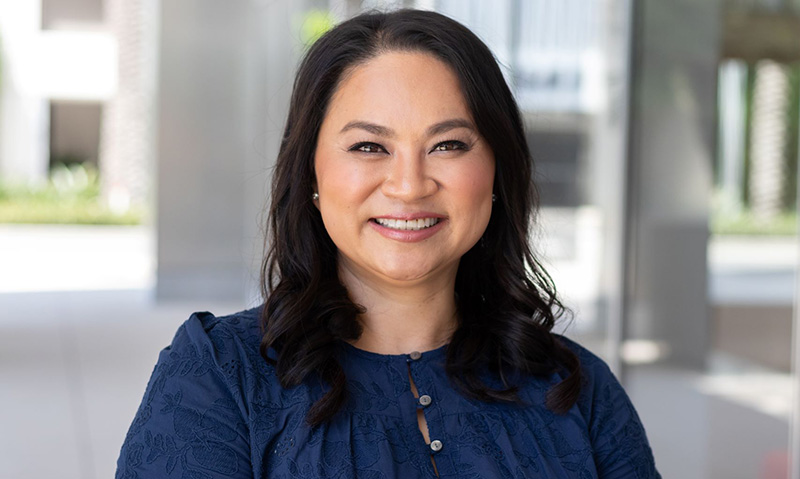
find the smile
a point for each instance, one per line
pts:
(407, 225)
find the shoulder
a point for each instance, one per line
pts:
(229, 345)
(601, 392)
(204, 329)
(210, 348)
(587, 357)
(595, 373)
(594, 370)
(193, 416)
(618, 437)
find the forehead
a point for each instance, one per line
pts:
(399, 86)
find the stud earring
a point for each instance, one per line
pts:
(315, 196)
(494, 197)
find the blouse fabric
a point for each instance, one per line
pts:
(214, 408)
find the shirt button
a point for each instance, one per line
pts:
(436, 445)
(415, 355)
(425, 400)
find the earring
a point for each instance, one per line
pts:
(494, 197)
(315, 196)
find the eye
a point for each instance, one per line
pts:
(451, 145)
(367, 147)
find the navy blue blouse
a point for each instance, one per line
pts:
(214, 409)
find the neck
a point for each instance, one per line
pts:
(401, 318)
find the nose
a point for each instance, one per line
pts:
(408, 177)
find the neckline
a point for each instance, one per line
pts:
(425, 355)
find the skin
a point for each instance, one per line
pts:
(379, 155)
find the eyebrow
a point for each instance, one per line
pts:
(435, 129)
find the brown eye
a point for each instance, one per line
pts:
(367, 147)
(450, 146)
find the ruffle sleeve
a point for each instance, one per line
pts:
(619, 443)
(191, 423)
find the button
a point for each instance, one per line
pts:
(436, 445)
(415, 355)
(425, 400)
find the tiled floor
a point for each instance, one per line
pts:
(72, 376)
(701, 433)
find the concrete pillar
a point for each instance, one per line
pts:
(24, 113)
(671, 153)
(608, 169)
(224, 81)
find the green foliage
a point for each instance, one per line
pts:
(314, 24)
(745, 223)
(71, 196)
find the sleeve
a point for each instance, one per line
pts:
(620, 445)
(189, 424)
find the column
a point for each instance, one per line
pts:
(224, 82)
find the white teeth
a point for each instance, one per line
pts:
(407, 225)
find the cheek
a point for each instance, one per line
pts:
(484, 186)
(344, 188)
(476, 185)
(340, 177)
(473, 194)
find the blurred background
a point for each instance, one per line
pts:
(136, 144)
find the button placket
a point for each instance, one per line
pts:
(424, 400)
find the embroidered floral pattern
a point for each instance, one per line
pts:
(213, 409)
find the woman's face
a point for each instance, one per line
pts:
(404, 178)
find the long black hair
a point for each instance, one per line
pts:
(506, 302)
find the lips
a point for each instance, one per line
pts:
(408, 227)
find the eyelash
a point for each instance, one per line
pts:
(459, 145)
(358, 147)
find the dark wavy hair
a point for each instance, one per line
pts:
(506, 302)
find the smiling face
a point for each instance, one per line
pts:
(404, 178)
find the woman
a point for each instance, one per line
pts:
(407, 326)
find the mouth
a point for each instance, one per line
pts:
(407, 225)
